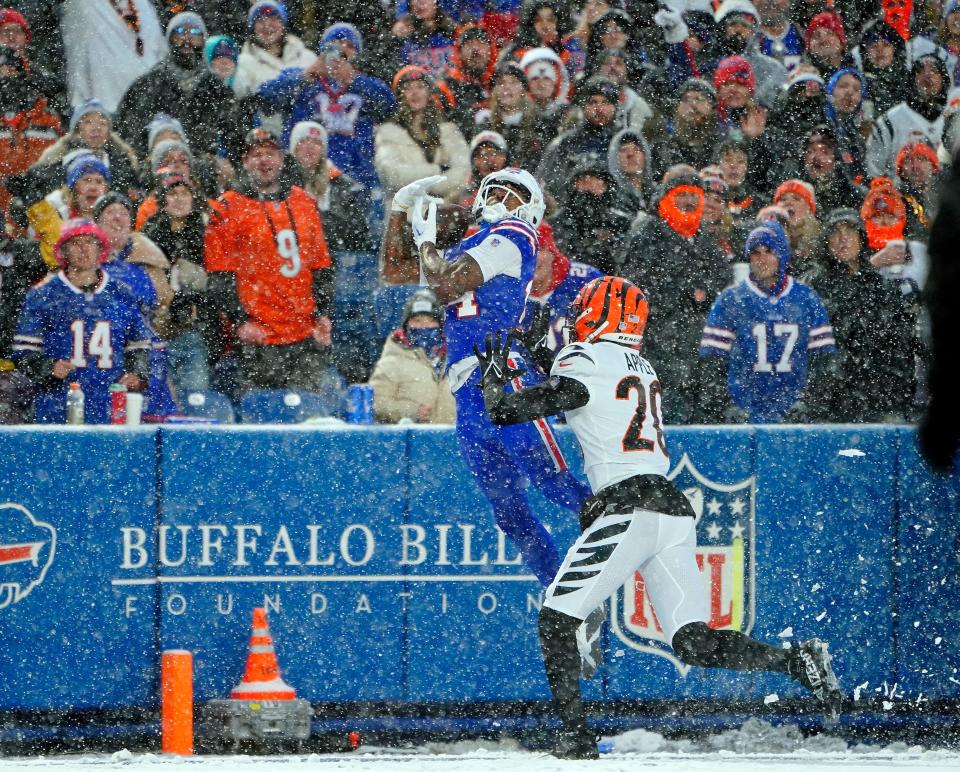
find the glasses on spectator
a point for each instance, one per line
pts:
(195, 32)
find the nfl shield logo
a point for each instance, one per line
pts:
(725, 555)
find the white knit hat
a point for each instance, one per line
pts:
(304, 130)
(728, 7)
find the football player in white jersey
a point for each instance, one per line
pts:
(636, 519)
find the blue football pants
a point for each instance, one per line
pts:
(505, 460)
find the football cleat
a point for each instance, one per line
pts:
(810, 665)
(589, 640)
(576, 744)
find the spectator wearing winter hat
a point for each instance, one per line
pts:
(682, 270)
(467, 79)
(920, 115)
(548, 85)
(408, 381)
(737, 22)
(339, 197)
(178, 229)
(633, 110)
(174, 155)
(738, 110)
(629, 161)
(128, 42)
(90, 130)
(882, 58)
(846, 94)
(872, 326)
(948, 32)
(488, 154)
(798, 108)
(87, 179)
(418, 142)
(823, 166)
(349, 105)
(734, 166)
(826, 44)
(183, 87)
(614, 29)
(514, 115)
(347, 36)
(694, 133)
(44, 347)
(424, 37)
(717, 221)
(917, 168)
(779, 37)
(590, 226)
(222, 54)
(40, 82)
(270, 48)
(740, 345)
(546, 24)
(27, 125)
(898, 258)
(599, 99)
(803, 227)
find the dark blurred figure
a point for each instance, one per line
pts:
(874, 378)
(591, 228)
(940, 427)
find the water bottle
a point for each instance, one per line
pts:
(75, 403)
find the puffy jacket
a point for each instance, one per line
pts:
(404, 379)
(400, 160)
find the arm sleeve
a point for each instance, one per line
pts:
(27, 348)
(820, 339)
(551, 397)
(281, 90)
(501, 252)
(718, 332)
(323, 291)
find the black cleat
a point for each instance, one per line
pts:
(576, 744)
(810, 665)
(589, 640)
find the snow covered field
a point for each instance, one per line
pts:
(755, 747)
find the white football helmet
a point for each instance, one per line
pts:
(530, 212)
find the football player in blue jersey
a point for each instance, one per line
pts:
(80, 325)
(768, 340)
(485, 280)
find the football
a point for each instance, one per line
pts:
(452, 223)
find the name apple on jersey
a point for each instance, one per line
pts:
(725, 556)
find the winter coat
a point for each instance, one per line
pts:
(399, 159)
(46, 218)
(629, 198)
(874, 376)
(404, 379)
(23, 138)
(338, 206)
(48, 173)
(256, 65)
(102, 65)
(569, 150)
(681, 277)
(197, 98)
(187, 278)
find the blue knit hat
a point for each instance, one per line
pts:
(86, 164)
(266, 8)
(343, 31)
(90, 106)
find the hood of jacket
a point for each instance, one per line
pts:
(928, 107)
(772, 236)
(821, 253)
(842, 124)
(561, 90)
(613, 162)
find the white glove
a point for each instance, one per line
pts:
(408, 194)
(424, 226)
(674, 27)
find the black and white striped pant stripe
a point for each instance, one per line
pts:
(605, 556)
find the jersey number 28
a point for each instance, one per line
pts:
(647, 404)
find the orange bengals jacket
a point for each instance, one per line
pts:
(23, 137)
(273, 247)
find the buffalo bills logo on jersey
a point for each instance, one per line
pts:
(725, 554)
(27, 547)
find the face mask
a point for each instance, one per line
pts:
(685, 223)
(427, 338)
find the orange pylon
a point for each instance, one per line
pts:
(261, 677)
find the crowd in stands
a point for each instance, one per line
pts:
(229, 164)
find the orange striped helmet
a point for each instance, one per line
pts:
(608, 308)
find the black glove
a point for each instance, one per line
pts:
(798, 413)
(494, 368)
(534, 338)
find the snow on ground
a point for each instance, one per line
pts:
(756, 747)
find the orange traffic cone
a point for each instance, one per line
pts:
(261, 677)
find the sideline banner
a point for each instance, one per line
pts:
(65, 642)
(385, 578)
